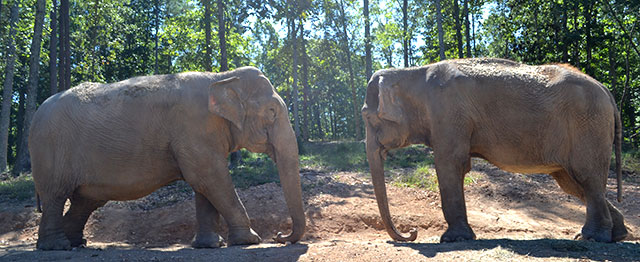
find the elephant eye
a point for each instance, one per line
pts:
(271, 114)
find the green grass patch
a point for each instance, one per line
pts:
(349, 156)
(254, 169)
(335, 156)
(424, 177)
(18, 188)
(412, 156)
(352, 156)
(630, 161)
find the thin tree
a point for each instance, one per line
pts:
(293, 33)
(64, 60)
(32, 91)
(456, 18)
(465, 12)
(440, 31)
(221, 36)
(367, 41)
(305, 84)
(207, 35)
(53, 45)
(7, 93)
(156, 11)
(405, 33)
(347, 51)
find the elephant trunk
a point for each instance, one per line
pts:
(286, 158)
(376, 166)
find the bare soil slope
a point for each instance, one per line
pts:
(516, 217)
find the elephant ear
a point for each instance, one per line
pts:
(388, 104)
(224, 100)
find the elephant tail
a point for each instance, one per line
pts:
(38, 206)
(618, 148)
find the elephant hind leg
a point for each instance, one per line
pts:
(76, 217)
(619, 231)
(603, 221)
(50, 233)
(568, 184)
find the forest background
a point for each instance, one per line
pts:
(318, 54)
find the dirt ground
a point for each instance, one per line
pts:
(515, 217)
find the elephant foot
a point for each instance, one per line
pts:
(619, 233)
(207, 240)
(78, 242)
(242, 236)
(597, 235)
(457, 234)
(53, 242)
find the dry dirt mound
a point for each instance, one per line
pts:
(344, 224)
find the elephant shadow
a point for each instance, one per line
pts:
(540, 248)
(263, 252)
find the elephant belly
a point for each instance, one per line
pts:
(529, 169)
(126, 185)
(519, 163)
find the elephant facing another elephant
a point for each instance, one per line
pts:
(529, 119)
(121, 141)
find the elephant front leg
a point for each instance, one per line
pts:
(214, 182)
(208, 221)
(451, 168)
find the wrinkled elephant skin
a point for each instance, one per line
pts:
(121, 141)
(528, 119)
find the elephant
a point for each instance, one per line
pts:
(121, 141)
(550, 119)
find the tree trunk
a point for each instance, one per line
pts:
(156, 10)
(612, 67)
(32, 91)
(456, 18)
(64, 69)
(221, 34)
(7, 93)
(347, 51)
(565, 33)
(588, 23)
(576, 50)
(53, 51)
(293, 33)
(473, 36)
(305, 84)
(405, 33)
(207, 35)
(440, 31)
(318, 118)
(465, 12)
(367, 42)
(93, 36)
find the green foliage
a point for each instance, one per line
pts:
(421, 178)
(114, 40)
(409, 157)
(254, 169)
(424, 177)
(335, 156)
(17, 188)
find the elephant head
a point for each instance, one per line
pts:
(260, 123)
(388, 126)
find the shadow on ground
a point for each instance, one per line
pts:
(265, 252)
(539, 248)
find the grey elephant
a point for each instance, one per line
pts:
(121, 141)
(529, 119)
